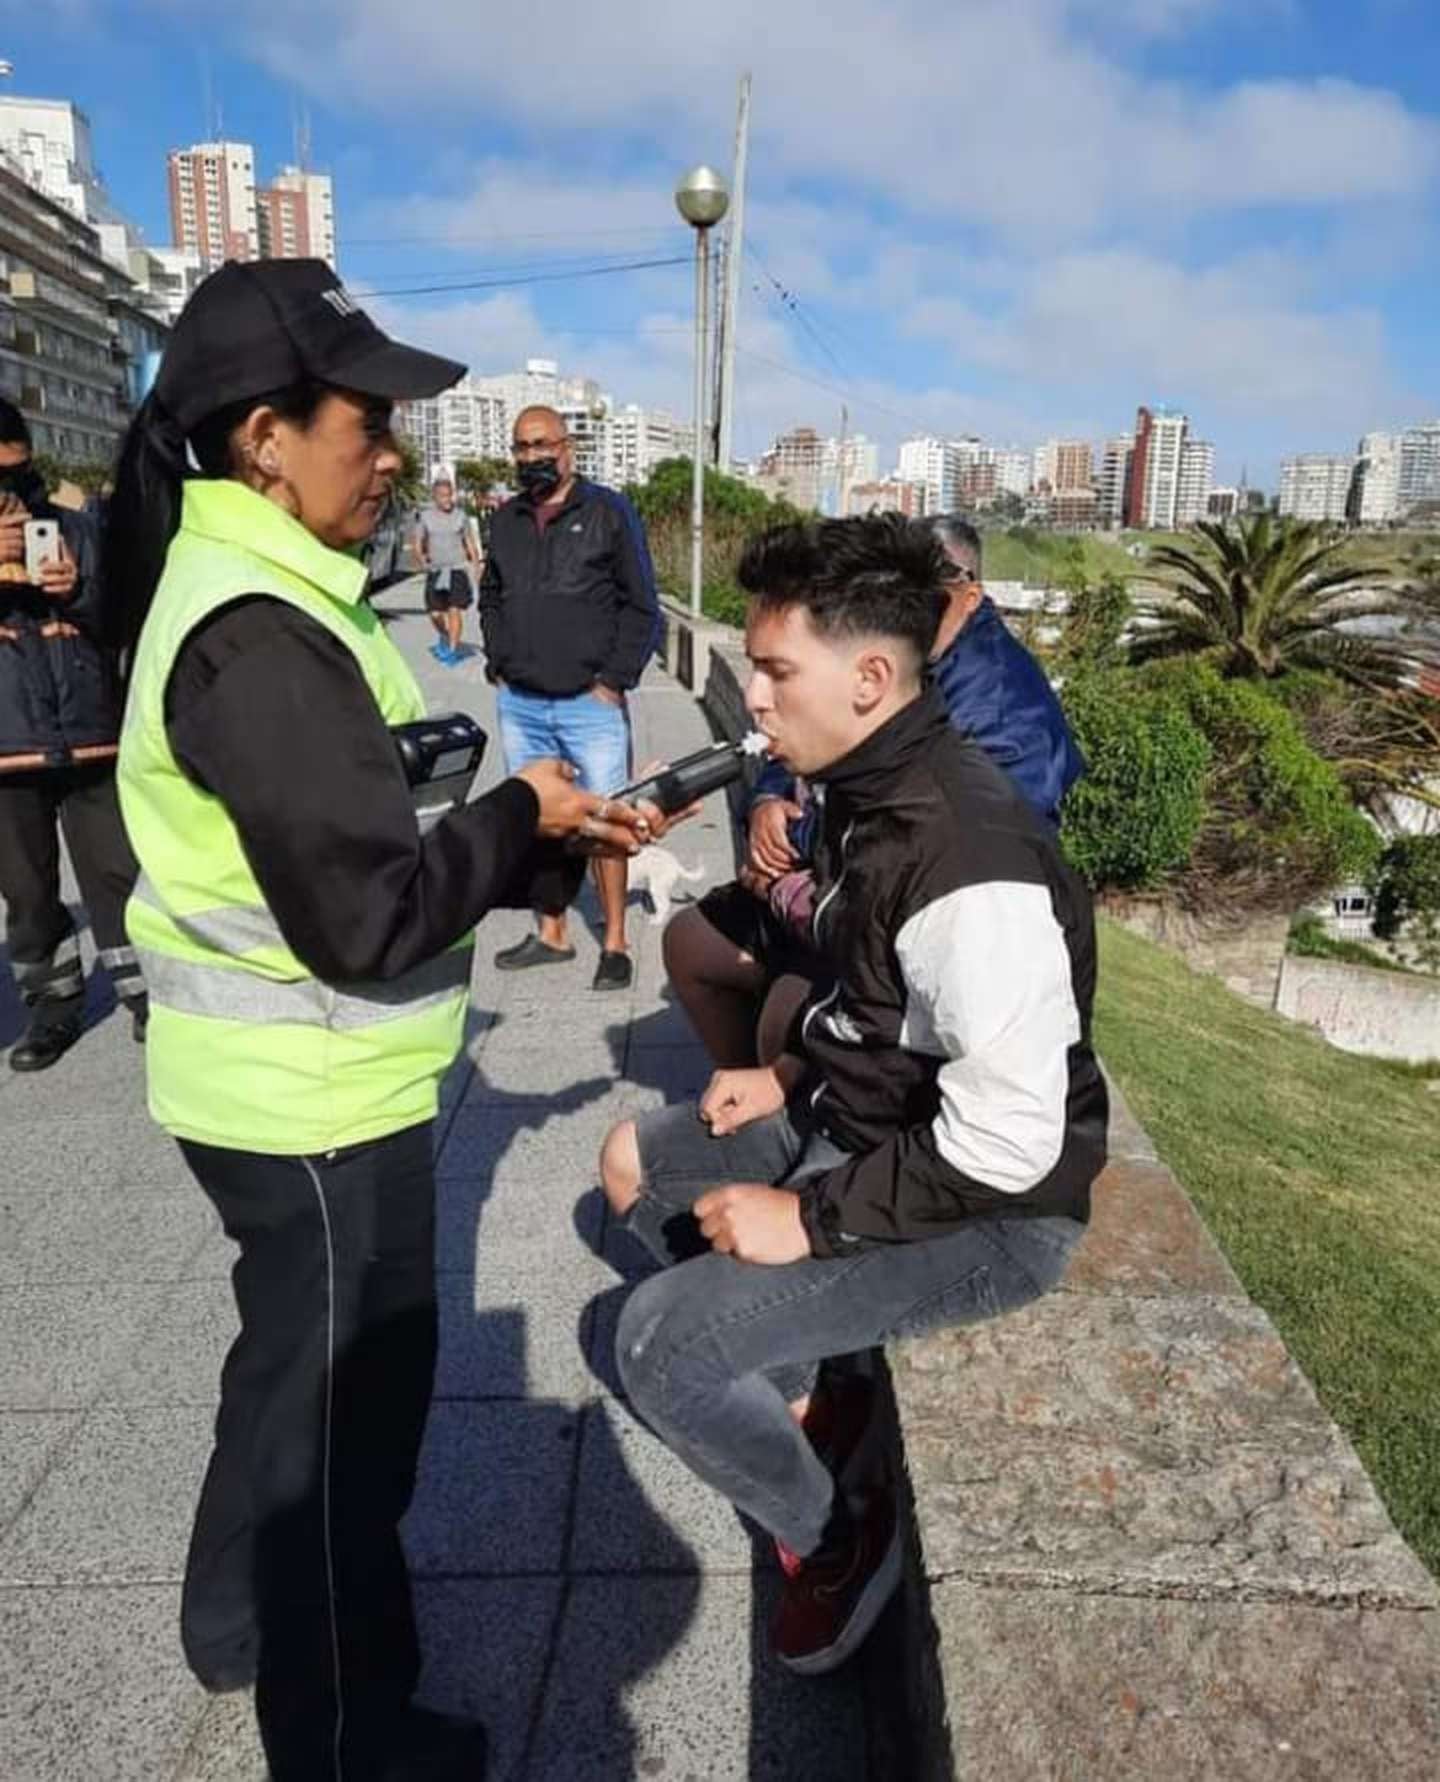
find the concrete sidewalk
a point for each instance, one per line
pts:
(601, 1611)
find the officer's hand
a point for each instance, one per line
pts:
(770, 849)
(599, 825)
(660, 824)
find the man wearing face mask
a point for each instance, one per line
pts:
(59, 736)
(569, 616)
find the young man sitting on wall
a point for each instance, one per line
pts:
(922, 1151)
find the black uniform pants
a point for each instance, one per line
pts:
(44, 947)
(295, 1567)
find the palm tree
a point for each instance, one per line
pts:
(1261, 596)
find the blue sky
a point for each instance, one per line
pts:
(1010, 217)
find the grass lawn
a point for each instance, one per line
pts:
(1319, 1174)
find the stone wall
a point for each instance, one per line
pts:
(1140, 1546)
(1244, 955)
(1386, 1014)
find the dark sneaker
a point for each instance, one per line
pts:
(56, 1022)
(614, 972)
(432, 1747)
(830, 1601)
(839, 1423)
(531, 951)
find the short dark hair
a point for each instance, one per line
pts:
(957, 535)
(14, 428)
(879, 575)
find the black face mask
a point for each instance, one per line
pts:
(539, 477)
(25, 482)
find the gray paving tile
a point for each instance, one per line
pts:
(538, 1062)
(225, 1745)
(92, 1686)
(29, 1441)
(494, 1486)
(667, 1677)
(485, 1645)
(116, 1507)
(641, 1509)
(519, 1224)
(178, 1356)
(528, 1141)
(58, 1345)
(519, 1333)
(106, 1234)
(63, 1150)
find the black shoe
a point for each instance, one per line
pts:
(614, 972)
(139, 1007)
(433, 1747)
(531, 951)
(55, 1025)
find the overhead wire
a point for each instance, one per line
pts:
(531, 278)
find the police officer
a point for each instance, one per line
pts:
(308, 954)
(59, 732)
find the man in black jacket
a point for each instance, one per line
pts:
(59, 729)
(569, 617)
(922, 1153)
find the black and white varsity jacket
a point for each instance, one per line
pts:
(949, 1050)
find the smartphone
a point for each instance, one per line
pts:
(42, 543)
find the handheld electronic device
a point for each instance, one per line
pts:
(439, 757)
(679, 783)
(42, 542)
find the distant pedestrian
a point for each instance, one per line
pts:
(569, 615)
(445, 547)
(59, 735)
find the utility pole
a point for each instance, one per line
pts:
(841, 467)
(730, 304)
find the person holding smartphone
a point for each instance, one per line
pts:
(308, 950)
(59, 735)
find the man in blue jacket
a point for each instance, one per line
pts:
(59, 730)
(569, 617)
(725, 953)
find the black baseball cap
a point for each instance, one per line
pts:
(261, 325)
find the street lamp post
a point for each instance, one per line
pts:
(702, 198)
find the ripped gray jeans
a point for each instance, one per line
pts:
(713, 1350)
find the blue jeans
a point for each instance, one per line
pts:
(713, 1351)
(583, 728)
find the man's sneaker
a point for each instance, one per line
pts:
(439, 648)
(531, 951)
(830, 1601)
(614, 971)
(56, 1022)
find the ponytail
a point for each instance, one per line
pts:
(141, 519)
(144, 510)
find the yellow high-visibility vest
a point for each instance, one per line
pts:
(246, 1047)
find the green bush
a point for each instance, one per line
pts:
(1406, 881)
(734, 513)
(1133, 818)
(1280, 825)
(1309, 939)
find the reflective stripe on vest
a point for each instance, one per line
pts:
(239, 995)
(234, 929)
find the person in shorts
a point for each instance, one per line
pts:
(445, 548)
(570, 618)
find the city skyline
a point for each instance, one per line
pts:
(1238, 221)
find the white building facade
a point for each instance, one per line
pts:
(1375, 494)
(1419, 470)
(1197, 478)
(1315, 486)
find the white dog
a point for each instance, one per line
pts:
(656, 871)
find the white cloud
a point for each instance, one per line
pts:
(998, 110)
